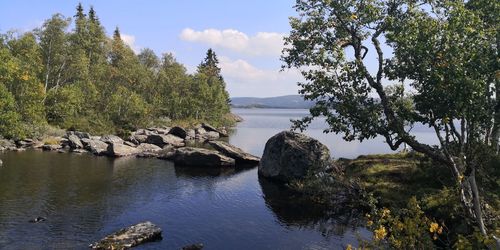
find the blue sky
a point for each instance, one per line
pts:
(246, 35)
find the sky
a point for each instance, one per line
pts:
(247, 36)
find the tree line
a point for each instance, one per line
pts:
(82, 79)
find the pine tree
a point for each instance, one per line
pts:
(210, 66)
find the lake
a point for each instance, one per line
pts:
(85, 198)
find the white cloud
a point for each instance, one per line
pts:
(244, 79)
(261, 44)
(130, 41)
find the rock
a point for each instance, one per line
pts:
(120, 150)
(211, 135)
(80, 135)
(37, 145)
(210, 128)
(74, 142)
(112, 139)
(38, 219)
(179, 132)
(147, 155)
(133, 140)
(26, 143)
(234, 152)
(162, 140)
(85, 142)
(198, 157)
(7, 145)
(160, 131)
(97, 147)
(51, 147)
(64, 142)
(289, 155)
(140, 138)
(129, 144)
(1, 163)
(60, 151)
(130, 237)
(190, 134)
(17, 149)
(143, 132)
(197, 246)
(146, 147)
(78, 151)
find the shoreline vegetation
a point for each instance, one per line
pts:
(420, 210)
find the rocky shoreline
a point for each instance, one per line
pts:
(168, 143)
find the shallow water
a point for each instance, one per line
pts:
(85, 198)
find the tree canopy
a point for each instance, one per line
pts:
(436, 63)
(81, 79)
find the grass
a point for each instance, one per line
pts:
(395, 178)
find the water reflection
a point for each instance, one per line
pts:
(297, 210)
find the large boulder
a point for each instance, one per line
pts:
(289, 155)
(179, 132)
(130, 237)
(120, 150)
(146, 147)
(80, 135)
(112, 139)
(97, 147)
(163, 140)
(74, 142)
(234, 152)
(198, 157)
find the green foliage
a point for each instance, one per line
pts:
(84, 80)
(64, 105)
(10, 120)
(407, 228)
(445, 51)
(128, 110)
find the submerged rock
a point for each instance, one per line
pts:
(38, 219)
(234, 152)
(130, 237)
(51, 147)
(198, 157)
(197, 246)
(289, 155)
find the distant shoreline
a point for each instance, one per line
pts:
(265, 107)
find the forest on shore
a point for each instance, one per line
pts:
(81, 79)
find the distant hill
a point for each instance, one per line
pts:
(287, 101)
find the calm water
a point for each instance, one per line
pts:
(86, 197)
(261, 124)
